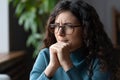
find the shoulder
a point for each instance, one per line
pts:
(43, 56)
(44, 53)
(98, 66)
(100, 74)
(44, 50)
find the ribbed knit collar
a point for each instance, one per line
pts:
(78, 55)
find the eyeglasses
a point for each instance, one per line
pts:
(67, 28)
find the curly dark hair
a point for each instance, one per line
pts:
(95, 39)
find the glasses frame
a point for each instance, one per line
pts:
(52, 27)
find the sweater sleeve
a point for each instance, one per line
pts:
(74, 74)
(39, 66)
(98, 74)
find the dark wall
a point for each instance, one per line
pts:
(17, 40)
(17, 35)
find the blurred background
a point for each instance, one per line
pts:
(22, 31)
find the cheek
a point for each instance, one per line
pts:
(76, 40)
(55, 36)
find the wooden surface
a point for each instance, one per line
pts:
(15, 65)
(10, 56)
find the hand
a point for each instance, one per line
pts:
(59, 56)
(62, 50)
(53, 64)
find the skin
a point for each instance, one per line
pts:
(60, 51)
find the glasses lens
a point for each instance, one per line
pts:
(68, 29)
(56, 27)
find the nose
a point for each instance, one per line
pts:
(61, 31)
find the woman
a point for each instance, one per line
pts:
(74, 45)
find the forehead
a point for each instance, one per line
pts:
(66, 17)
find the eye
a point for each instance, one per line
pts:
(52, 26)
(56, 25)
(68, 26)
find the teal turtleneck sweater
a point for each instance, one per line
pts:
(78, 72)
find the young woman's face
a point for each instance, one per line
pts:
(74, 37)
